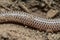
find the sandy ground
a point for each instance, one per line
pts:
(9, 31)
(19, 32)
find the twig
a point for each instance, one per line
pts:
(25, 8)
(5, 7)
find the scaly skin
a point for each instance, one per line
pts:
(49, 25)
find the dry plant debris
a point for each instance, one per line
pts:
(51, 13)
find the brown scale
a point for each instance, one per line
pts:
(30, 20)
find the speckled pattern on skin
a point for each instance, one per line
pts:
(42, 24)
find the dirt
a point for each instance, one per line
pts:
(10, 31)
